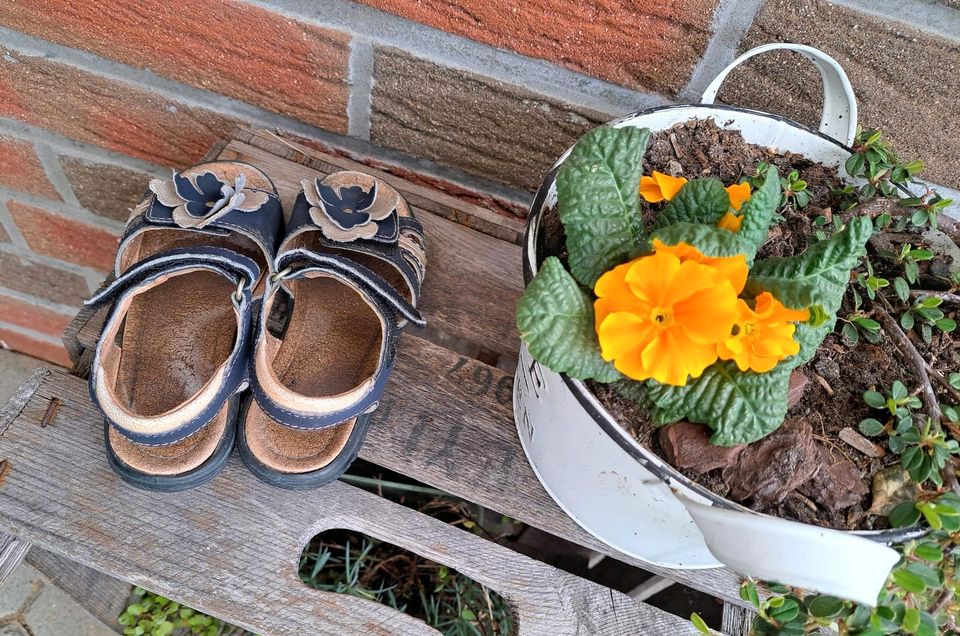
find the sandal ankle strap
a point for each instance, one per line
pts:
(230, 378)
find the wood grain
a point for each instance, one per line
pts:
(103, 596)
(232, 547)
(503, 226)
(737, 621)
(12, 552)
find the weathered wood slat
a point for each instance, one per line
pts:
(737, 620)
(12, 552)
(101, 595)
(503, 225)
(232, 547)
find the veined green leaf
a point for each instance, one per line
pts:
(698, 201)
(599, 199)
(819, 275)
(759, 209)
(555, 319)
(741, 407)
(710, 240)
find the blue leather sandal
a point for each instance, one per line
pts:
(174, 351)
(353, 261)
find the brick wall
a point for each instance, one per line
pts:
(476, 96)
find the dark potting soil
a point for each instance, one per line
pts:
(839, 373)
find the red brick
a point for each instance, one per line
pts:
(106, 113)
(639, 43)
(20, 169)
(35, 347)
(31, 316)
(67, 239)
(37, 279)
(225, 46)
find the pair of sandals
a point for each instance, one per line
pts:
(215, 293)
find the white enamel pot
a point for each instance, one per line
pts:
(628, 497)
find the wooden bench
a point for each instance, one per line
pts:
(232, 547)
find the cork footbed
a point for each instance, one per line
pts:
(331, 345)
(175, 336)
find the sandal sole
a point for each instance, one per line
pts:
(200, 475)
(309, 480)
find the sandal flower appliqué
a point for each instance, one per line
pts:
(201, 199)
(347, 212)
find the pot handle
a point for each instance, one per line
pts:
(839, 117)
(796, 554)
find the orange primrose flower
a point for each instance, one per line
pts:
(660, 187)
(738, 193)
(661, 316)
(734, 268)
(764, 335)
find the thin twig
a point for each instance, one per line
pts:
(942, 381)
(946, 297)
(949, 474)
(913, 356)
(941, 602)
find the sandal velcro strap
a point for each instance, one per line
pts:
(354, 211)
(243, 271)
(300, 261)
(215, 199)
(189, 417)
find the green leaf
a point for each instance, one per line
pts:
(911, 620)
(929, 552)
(758, 210)
(907, 321)
(599, 199)
(929, 575)
(786, 612)
(741, 407)
(870, 427)
(902, 288)
(946, 324)
(823, 606)
(909, 581)
(699, 623)
(633, 390)
(698, 201)
(854, 165)
(710, 240)
(748, 592)
(555, 319)
(875, 399)
(850, 333)
(898, 390)
(904, 514)
(867, 324)
(819, 275)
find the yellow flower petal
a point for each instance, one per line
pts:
(649, 190)
(739, 193)
(734, 268)
(730, 221)
(764, 335)
(660, 187)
